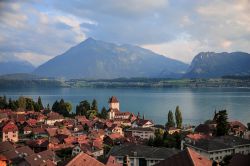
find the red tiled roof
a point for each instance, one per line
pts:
(114, 136)
(10, 127)
(237, 124)
(82, 159)
(117, 113)
(27, 128)
(198, 136)
(187, 157)
(31, 122)
(113, 99)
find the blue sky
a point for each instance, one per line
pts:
(38, 30)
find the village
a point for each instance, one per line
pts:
(47, 138)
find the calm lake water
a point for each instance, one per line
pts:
(196, 105)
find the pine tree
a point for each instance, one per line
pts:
(3, 102)
(178, 117)
(222, 126)
(94, 105)
(82, 108)
(40, 104)
(104, 113)
(170, 122)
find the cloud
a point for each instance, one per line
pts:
(178, 29)
(33, 58)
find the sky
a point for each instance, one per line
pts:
(38, 30)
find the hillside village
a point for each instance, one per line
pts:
(46, 138)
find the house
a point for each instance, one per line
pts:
(143, 133)
(172, 130)
(38, 145)
(12, 154)
(10, 132)
(142, 123)
(27, 130)
(216, 148)
(141, 154)
(187, 157)
(51, 132)
(97, 134)
(53, 117)
(39, 132)
(41, 159)
(15, 156)
(78, 128)
(3, 117)
(205, 129)
(114, 129)
(94, 151)
(31, 122)
(237, 129)
(6, 146)
(114, 139)
(84, 159)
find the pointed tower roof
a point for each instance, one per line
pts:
(113, 99)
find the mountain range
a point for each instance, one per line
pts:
(15, 67)
(213, 65)
(95, 59)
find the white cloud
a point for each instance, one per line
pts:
(183, 48)
(36, 28)
(33, 58)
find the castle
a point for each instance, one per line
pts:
(114, 110)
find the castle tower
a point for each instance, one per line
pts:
(114, 103)
(113, 107)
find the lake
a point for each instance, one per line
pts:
(197, 105)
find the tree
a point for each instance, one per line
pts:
(48, 107)
(3, 102)
(55, 106)
(222, 126)
(22, 102)
(40, 104)
(178, 117)
(170, 122)
(82, 108)
(29, 104)
(63, 108)
(104, 113)
(12, 104)
(94, 105)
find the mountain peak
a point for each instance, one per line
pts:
(95, 59)
(89, 40)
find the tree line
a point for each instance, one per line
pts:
(84, 108)
(23, 103)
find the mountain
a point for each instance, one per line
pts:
(94, 59)
(211, 65)
(21, 76)
(15, 67)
